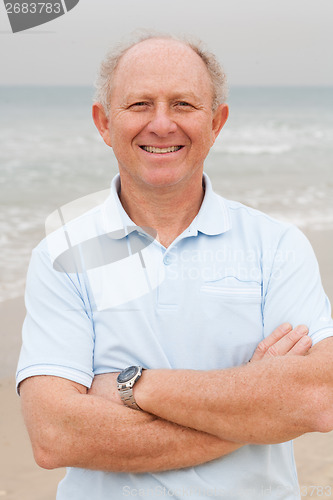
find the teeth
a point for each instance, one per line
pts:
(152, 149)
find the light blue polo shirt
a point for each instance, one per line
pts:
(103, 294)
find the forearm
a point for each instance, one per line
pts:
(267, 402)
(91, 432)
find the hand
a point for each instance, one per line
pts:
(105, 386)
(284, 341)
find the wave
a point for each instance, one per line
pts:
(254, 149)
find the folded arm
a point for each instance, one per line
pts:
(70, 426)
(271, 401)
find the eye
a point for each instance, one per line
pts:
(139, 104)
(184, 106)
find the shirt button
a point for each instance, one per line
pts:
(167, 260)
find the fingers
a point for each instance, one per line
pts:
(302, 347)
(278, 334)
(284, 341)
(284, 345)
(269, 341)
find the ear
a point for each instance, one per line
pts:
(219, 118)
(102, 122)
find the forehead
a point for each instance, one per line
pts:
(163, 65)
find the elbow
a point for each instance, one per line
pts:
(46, 452)
(325, 421)
(323, 410)
(44, 458)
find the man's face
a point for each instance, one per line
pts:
(161, 124)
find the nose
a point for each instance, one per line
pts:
(161, 122)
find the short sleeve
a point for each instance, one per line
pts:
(294, 291)
(58, 333)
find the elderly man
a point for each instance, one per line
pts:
(192, 304)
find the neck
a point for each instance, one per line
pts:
(167, 210)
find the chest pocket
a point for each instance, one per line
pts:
(232, 288)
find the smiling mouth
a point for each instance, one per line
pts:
(152, 149)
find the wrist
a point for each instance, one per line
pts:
(140, 388)
(148, 390)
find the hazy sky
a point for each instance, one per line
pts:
(259, 42)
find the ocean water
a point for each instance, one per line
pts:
(275, 154)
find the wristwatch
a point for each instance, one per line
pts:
(125, 382)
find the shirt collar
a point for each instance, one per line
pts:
(212, 219)
(115, 220)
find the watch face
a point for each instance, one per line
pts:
(127, 374)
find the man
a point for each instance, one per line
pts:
(192, 306)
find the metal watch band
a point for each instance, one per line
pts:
(125, 390)
(127, 398)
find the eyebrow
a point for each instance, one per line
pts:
(176, 96)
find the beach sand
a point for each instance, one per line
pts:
(22, 479)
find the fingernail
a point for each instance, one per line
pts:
(302, 329)
(286, 327)
(306, 341)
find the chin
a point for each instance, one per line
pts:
(162, 179)
(161, 176)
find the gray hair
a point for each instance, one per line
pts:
(103, 83)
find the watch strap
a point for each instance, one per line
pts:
(127, 397)
(125, 390)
